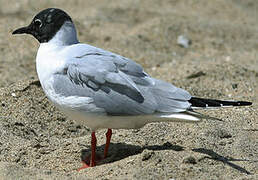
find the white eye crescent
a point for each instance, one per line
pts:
(38, 22)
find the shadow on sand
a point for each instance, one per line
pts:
(215, 156)
(120, 151)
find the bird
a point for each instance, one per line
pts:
(101, 89)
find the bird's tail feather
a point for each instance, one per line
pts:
(199, 103)
(188, 116)
(203, 116)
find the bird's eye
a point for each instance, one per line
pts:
(38, 23)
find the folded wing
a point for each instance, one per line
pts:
(99, 74)
(119, 85)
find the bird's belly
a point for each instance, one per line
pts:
(96, 121)
(83, 111)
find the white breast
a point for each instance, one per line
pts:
(49, 60)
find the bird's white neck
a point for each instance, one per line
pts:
(65, 36)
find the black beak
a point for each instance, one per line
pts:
(23, 30)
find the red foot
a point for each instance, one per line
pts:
(86, 162)
(84, 166)
(90, 161)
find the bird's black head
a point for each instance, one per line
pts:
(45, 24)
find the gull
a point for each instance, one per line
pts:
(101, 89)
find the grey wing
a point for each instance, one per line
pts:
(168, 98)
(110, 88)
(99, 74)
(132, 69)
(120, 86)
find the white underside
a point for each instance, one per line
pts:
(101, 120)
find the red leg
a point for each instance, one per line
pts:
(108, 138)
(93, 149)
(93, 153)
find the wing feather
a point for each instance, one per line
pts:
(119, 85)
(98, 74)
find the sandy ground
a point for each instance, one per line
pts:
(38, 142)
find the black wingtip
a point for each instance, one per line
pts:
(204, 103)
(244, 103)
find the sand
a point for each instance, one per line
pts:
(39, 142)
